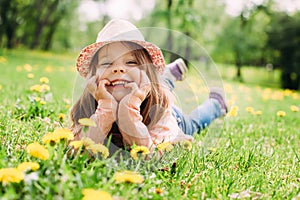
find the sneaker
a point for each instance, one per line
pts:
(219, 95)
(177, 69)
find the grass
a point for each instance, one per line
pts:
(251, 154)
(252, 75)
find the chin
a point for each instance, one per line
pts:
(119, 95)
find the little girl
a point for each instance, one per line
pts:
(125, 95)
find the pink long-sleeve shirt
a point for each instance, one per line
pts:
(131, 127)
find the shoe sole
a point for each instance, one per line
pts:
(182, 66)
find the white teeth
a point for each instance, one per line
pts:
(118, 83)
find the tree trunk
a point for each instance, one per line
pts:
(10, 36)
(169, 45)
(9, 25)
(43, 22)
(238, 63)
(49, 35)
(187, 53)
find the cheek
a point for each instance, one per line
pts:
(100, 72)
(136, 75)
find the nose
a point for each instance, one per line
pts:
(119, 69)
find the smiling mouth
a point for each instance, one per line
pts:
(118, 83)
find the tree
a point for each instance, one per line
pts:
(32, 23)
(44, 19)
(8, 21)
(193, 19)
(284, 42)
(242, 40)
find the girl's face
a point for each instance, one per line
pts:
(118, 65)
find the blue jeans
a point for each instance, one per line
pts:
(199, 118)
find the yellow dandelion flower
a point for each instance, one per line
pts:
(61, 116)
(165, 146)
(281, 113)
(0, 87)
(278, 95)
(234, 108)
(19, 68)
(294, 108)
(287, 92)
(265, 97)
(25, 166)
(211, 149)
(233, 111)
(50, 138)
(38, 151)
(158, 191)
(36, 88)
(64, 132)
(10, 175)
(128, 177)
(37, 99)
(3, 59)
(186, 145)
(48, 69)
(57, 136)
(45, 88)
(91, 194)
(295, 95)
(30, 75)
(87, 141)
(76, 144)
(258, 112)
(44, 80)
(87, 122)
(250, 109)
(139, 151)
(28, 67)
(99, 148)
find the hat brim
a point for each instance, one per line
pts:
(85, 57)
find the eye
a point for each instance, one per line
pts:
(131, 62)
(105, 64)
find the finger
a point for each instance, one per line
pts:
(103, 83)
(101, 90)
(131, 85)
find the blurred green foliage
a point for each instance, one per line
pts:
(248, 38)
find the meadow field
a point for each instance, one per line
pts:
(251, 153)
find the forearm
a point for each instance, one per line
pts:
(104, 117)
(133, 130)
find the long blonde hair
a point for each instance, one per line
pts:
(152, 107)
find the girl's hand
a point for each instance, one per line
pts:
(143, 89)
(97, 88)
(130, 119)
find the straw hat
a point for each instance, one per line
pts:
(113, 31)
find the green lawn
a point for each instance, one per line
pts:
(252, 153)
